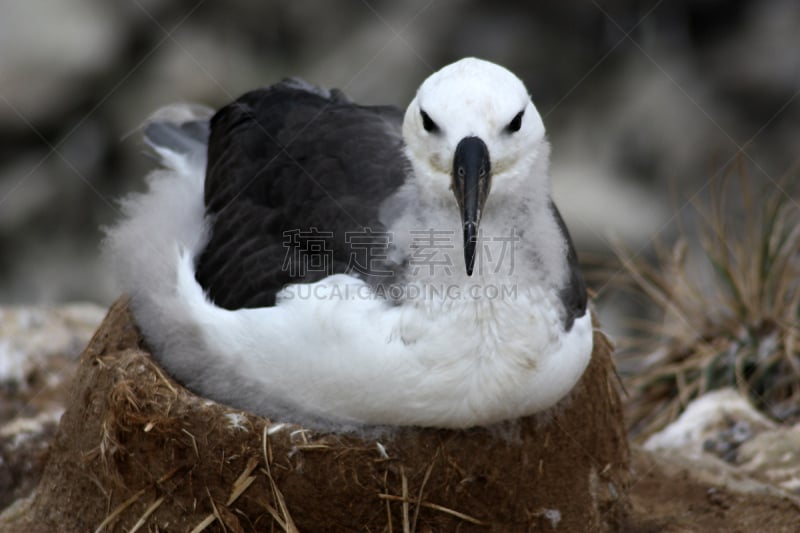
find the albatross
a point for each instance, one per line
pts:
(314, 260)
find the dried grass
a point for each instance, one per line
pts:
(150, 510)
(222, 514)
(452, 512)
(118, 511)
(736, 326)
(283, 518)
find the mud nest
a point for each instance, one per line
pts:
(137, 451)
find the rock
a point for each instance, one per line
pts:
(722, 440)
(717, 422)
(674, 494)
(23, 451)
(32, 335)
(134, 447)
(39, 350)
(773, 457)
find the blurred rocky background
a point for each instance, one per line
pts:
(644, 101)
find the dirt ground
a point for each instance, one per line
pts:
(667, 497)
(666, 494)
(669, 501)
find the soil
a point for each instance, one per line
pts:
(667, 497)
(29, 415)
(664, 493)
(134, 448)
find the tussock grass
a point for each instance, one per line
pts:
(735, 320)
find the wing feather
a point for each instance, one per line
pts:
(293, 160)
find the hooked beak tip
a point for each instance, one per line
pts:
(470, 244)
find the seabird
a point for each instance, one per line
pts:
(338, 265)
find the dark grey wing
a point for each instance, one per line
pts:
(295, 175)
(573, 294)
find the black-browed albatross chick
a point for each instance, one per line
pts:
(338, 265)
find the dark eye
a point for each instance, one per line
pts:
(428, 123)
(516, 122)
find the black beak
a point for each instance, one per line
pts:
(471, 183)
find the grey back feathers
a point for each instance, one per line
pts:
(293, 163)
(287, 165)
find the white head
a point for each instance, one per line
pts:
(470, 129)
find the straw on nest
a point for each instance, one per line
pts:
(735, 326)
(136, 451)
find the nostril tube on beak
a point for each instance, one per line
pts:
(471, 184)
